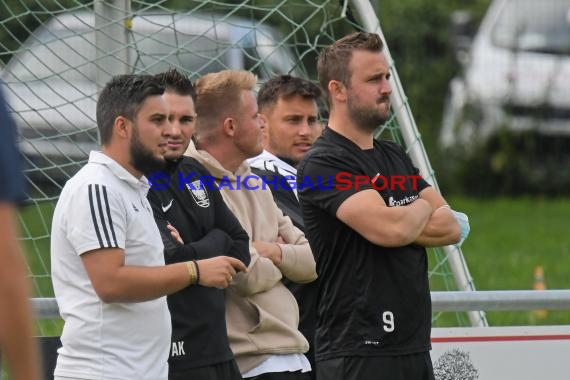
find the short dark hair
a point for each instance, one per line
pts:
(333, 62)
(123, 95)
(286, 86)
(173, 80)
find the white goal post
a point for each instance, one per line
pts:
(418, 154)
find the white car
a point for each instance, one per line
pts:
(50, 83)
(516, 78)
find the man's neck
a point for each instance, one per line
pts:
(172, 164)
(119, 155)
(346, 127)
(287, 160)
(230, 161)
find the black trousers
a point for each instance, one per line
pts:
(221, 371)
(282, 376)
(404, 367)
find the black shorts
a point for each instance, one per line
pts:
(221, 371)
(404, 367)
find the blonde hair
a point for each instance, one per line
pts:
(219, 97)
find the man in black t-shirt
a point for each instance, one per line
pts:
(368, 216)
(200, 348)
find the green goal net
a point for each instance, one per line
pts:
(55, 54)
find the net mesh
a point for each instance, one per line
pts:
(52, 59)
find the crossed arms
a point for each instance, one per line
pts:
(423, 222)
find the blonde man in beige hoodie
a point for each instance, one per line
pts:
(261, 313)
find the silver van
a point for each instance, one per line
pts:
(516, 75)
(50, 83)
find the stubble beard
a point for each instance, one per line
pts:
(142, 158)
(366, 118)
(276, 148)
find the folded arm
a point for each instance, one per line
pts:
(297, 260)
(262, 275)
(442, 227)
(367, 213)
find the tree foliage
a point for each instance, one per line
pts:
(419, 36)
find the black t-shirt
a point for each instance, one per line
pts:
(373, 300)
(208, 229)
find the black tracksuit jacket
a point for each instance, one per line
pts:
(208, 229)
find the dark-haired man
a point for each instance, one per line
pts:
(374, 309)
(107, 258)
(200, 348)
(288, 107)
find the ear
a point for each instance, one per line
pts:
(229, 126)
(122, 127)
(337, 91)
(264, 128)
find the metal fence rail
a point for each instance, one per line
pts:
(501, 300)
(46, 308)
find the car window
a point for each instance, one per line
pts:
(57, 51)
(197, 54)
(522, 25)
(276, 59)
(65, 48)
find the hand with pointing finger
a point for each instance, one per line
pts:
(218, 272)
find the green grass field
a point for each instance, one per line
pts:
(508, 238)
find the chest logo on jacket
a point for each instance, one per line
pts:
(199, 193)
(167, 207)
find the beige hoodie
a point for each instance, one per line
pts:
(261, 313)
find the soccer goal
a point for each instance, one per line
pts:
(56, 55)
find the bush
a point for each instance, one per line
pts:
(510, 164)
